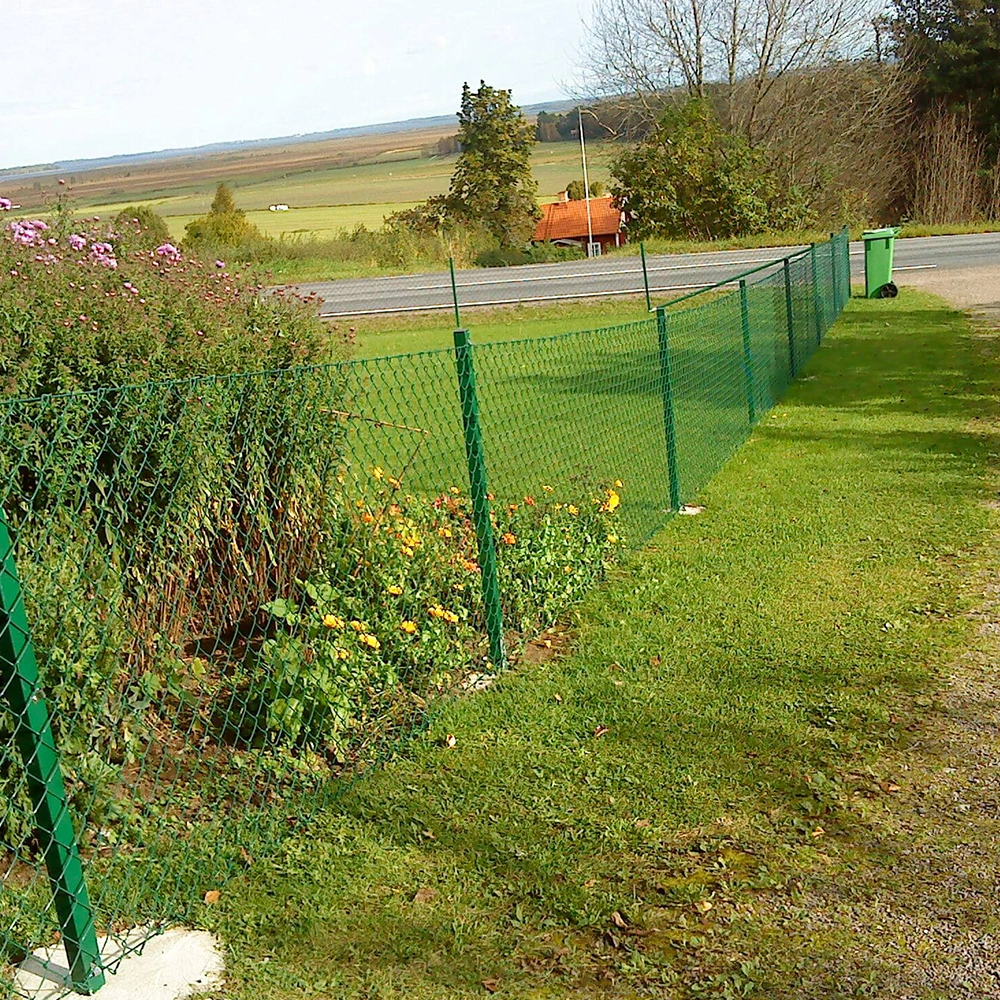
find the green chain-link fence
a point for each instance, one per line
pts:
(224, 597)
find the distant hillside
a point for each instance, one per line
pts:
(21, 174)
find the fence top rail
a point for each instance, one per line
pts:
(737, 277)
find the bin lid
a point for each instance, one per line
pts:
(880, 234)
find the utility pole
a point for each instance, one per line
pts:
(586, 184)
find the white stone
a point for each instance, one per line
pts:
(175, 964)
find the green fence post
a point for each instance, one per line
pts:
(846, 264)
(645, 277)
(454, 290)
(480, 499)
(668, 408)
(815, 285)
(833, 273)
(790, 314)
(20, 689)
(747, 353)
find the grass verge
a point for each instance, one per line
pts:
(617, 820)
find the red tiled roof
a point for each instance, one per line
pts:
(567, 220)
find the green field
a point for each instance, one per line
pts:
(323, 201)
(643, 809)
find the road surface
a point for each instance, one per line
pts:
(669, 276)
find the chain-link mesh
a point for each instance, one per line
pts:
(242, 591)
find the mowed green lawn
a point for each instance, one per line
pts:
(612, 821)
(325, 201)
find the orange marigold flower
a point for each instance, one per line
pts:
(370, 641)
(472, 567)
(444, 532)
(530, 501)
(508, 538)
(332, 621)
(367, 518)
(358, 626)
(408, 627)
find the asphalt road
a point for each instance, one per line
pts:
(669, 275)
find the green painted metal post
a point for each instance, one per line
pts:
(645, 277)
(454, 291)
(669, 428)
(20, 690)
(747, 352)
(480, 498)
(834, 267)
(818, 319)
(793, 367)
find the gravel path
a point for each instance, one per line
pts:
(975, 289)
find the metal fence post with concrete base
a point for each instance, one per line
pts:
(20, 690)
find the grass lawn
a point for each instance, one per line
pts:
(377, 336)
(616, 818)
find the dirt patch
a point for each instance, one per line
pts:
(974, 289)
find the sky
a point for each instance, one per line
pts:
(101, 77)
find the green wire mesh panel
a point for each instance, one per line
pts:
(244, 591)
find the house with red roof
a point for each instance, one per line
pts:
(565, 222)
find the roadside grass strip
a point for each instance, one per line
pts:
(613, 818)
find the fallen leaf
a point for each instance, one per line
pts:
(818, 832)
(888, 787)
(618, 920)
(590, 883)
(424, 895)
(601, 730)
(655, 661)
(245, 856)
(703, 906)
(548, 643)
(557, 698)
(642, 822)
(491, 985)
(449, 740)
(212, 896)
(428, 835)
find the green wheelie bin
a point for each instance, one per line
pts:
(878, 262)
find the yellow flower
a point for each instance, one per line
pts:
(508, 538)
(567, 569)
(548, 489)
(407, 551)
(454, 490)
(612, 502)
(450, 616)
(343, 654)
(436, 611)
(472, 567)
(619, 483)
(359, 504)
(394, 589)
(573, 509)
(370, 641)
(557, 506)
(444, 532)
(367, 518)
(408, 627)
(393, 482)
(357, 626)
(378, 472)
(332, 621)
(613, 539)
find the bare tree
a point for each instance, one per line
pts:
(644, 48)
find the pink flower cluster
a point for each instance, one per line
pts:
(6, 204)
(103, 254)
(168, 251)
(26, 233)
(77, 242)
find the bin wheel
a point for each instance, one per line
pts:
(888, 291)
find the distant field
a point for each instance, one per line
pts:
(324, 199)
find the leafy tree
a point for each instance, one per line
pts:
(953, 48)
(225, 224)
(575, 191)
(144, 227)
(689, 177)
(492, 183)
